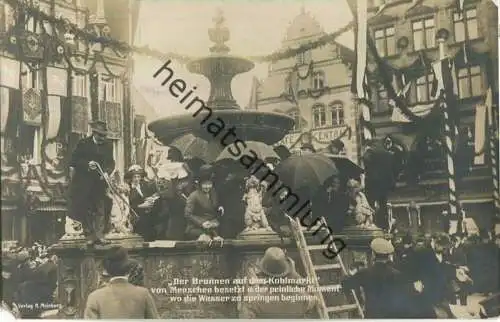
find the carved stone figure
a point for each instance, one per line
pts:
(255, 217)
(359, 207)
(72, 230)
(120, 219)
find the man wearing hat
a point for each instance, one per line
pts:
(119, 299)
(274, 265)
(203, 210)
(89, 202)
(386, 290)
(336, 147)
(307, 148)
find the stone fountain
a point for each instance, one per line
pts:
(219, 67)
(80, 268)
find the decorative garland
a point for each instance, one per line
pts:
(122, 48)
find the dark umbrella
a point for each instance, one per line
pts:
(192, 146)
(346, 167)
(308, 171)
(263, 151)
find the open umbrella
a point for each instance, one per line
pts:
(192, 146)
(346, 167)
(306, 171)
(263, 151)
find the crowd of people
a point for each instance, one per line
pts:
(425, 277)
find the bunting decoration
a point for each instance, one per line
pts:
(10, 70)
(493, 144)
(121, 48)
(32, 107)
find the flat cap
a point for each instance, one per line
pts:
(382, 246)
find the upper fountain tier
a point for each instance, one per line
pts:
(220, 67)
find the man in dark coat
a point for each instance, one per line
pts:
(119, 299)
(436, 275)
(274, 265)
(385, 288)
(89, 203)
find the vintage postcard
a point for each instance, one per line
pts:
(325, 159)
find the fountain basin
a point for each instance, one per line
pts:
(250, 125)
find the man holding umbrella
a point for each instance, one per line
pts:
(89, 202)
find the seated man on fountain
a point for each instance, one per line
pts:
(202, 210)
(142, 199)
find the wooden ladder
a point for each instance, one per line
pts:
(312, 270)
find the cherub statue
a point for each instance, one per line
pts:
(255, 217)
(359, 206)
(120, 211)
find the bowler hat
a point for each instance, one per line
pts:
(275, 263)
(337, 143)
(99, 127)
(382, 246)
(205, 173)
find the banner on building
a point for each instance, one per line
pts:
(10, 69)
(80, 115)
(32, 107)
(56, 81)
(113, 118)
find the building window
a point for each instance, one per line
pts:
(465, 25)
(384, 40)
(336, 113)
(319, 116)
(423, 34)
(469, 82)
(423, 89)
(318, 80)
(288, 86)
(80, 86)
(31, 79)
(110, 89)
(296, 120)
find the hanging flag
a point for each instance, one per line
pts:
(359, 80)
(56, 81)
(4, 108)
(480, 131)
(460, 5)
(54, 117)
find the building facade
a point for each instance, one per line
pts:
(314, 89)
(54, 82)
(406, 34)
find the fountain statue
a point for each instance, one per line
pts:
(255, 217)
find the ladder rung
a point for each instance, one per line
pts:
(342, 308)
(330, 288)
(317, 247)
(326, 267)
